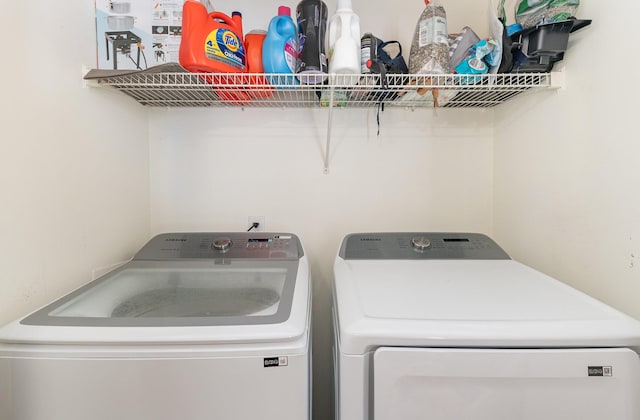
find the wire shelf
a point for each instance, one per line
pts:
(182, 89)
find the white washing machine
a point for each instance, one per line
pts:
(197, 326)
(445, 326)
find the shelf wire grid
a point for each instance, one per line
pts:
(181, 89)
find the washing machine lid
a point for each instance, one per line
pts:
(464, 292)
(245, 291)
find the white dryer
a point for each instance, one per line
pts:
(445, 326)
(198, 326)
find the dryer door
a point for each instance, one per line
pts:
(502, 384)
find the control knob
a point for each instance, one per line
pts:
(222, 244)
(420, 243)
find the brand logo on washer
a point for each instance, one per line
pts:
(371, 239)
(600, 371)
(276, 361)
(175, 240)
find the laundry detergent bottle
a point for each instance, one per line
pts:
(344, 41)
(253, 42)
(280, 48)
(211, 42)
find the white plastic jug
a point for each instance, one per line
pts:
(344, 41)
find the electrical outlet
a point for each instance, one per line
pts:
(256, 219)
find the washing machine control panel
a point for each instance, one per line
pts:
(419, 246)
(240, 245)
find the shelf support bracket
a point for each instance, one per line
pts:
(327, 145)
(558, 79)
(88, 83)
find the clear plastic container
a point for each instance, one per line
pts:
(430, 46)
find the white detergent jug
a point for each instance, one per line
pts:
(344, 41)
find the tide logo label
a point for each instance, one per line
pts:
(231, 41)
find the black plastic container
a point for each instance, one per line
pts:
(537, 49)
(312, 25)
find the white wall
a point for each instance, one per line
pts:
(567, 177)
(74, 172)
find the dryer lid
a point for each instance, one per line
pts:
(469, 297)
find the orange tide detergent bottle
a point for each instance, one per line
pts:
(213, 43)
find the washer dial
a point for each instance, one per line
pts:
(222, 244)
(420, 243)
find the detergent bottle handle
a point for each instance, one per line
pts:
(221, 16)
(234, 22)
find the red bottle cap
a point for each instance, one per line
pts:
(284, 10)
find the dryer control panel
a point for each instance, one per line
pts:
(224, 245)
(420, 246)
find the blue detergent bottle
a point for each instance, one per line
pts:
(280, 48)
